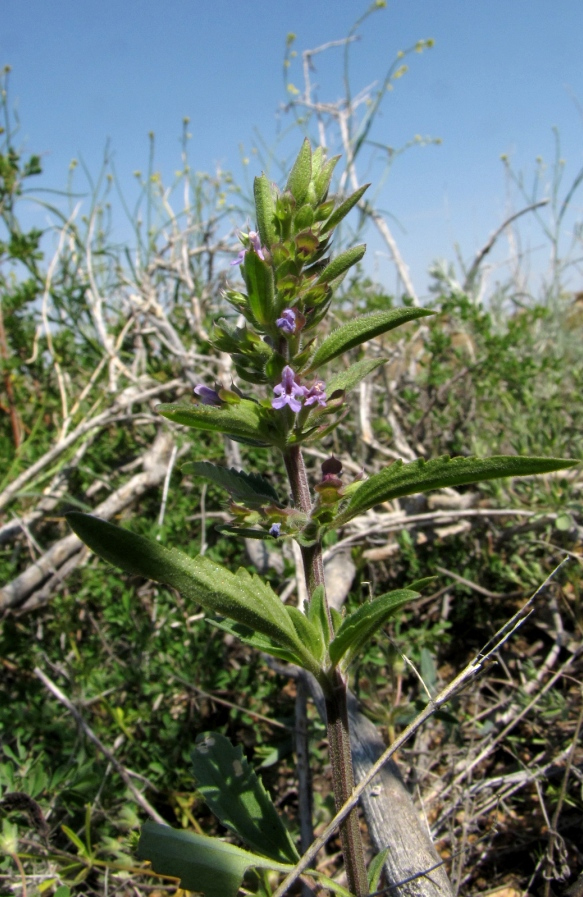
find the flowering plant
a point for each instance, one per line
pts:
(289, 281)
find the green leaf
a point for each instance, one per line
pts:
(265, 210)
(242, 532)
(301, 173)
(343, 209)
(255, 640)
(351, 377)
(240, 597)
(250, 488)
(337, 619)
(245, 420)
(421, 476)
(317, 614)
(309, 634)
(419, 584)
(236, 796)
(205, 865)
(375, 870)
(72, 836)
(361, 329)
(323, 177)
(341, 264)
(260, 285)
(359, 626)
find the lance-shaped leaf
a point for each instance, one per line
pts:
(265, 210)
(260, 288)
(361, 329)
(342, 263)
(235, 794)
(309, 633)
(421, 476)
(243, 420)
(343, 209)
(357, 628)
(323, 177)
(237, 596)
(317, 615)
(301, 173)
(205, 865)
(258, 641)
(375, 870)
(351, 377)
(251, 488)
(243, 532)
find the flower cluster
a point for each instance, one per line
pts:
(290, 392)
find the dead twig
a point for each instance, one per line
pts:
(124, 773)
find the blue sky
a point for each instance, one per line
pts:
(500, 76)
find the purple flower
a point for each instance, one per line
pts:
(274, 529)
(207, 395)
(289, 391)
(287, 322)
(240, 258)
(316, 394)
(255, 241)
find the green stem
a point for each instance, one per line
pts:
(311, 555)
(336, 706)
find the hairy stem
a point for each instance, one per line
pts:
(336, 706)
(312, 555)
(343, 778)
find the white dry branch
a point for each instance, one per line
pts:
(35, 585)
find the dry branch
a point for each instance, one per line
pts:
(116, 413)
(53, 561)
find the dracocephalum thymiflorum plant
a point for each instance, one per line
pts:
(283, 403)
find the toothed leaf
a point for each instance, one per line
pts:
(260, 288)
(237, 596)
(421, 476)
(351, 377)
(359, 626)
(361, 329)
(244, 421)
(250, 488)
